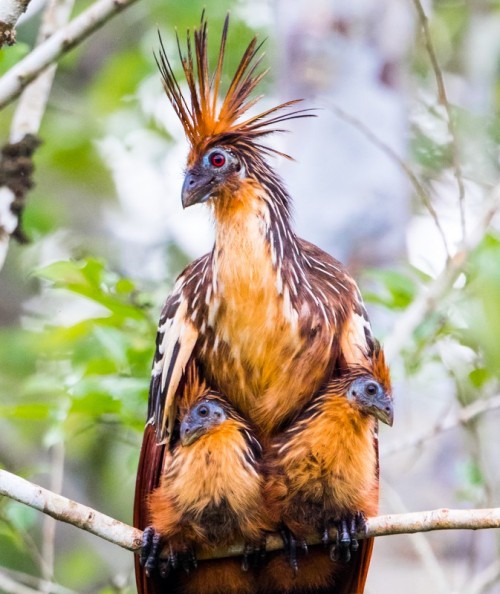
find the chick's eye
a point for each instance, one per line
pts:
(217, 159)
(203, 411)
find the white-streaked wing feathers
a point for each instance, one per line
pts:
(175, 342)
(357, 340)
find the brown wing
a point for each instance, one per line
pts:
(175, 342)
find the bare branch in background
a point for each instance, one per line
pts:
(402, 164)
(49, 524)
(483, 581)
(443, 99)
(465, 415)
(16, 163)
(428, 299)
(16, 166)
(129, 538)
(420, 543)
(10, 11)
(9, 576)
(10, 586)
(20, 75)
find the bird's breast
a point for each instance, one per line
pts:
(255, 350)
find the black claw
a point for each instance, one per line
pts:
(292, 554)
(325, 539)
(173, 558)
(248, 550)
(290, 545)
(346, 542)
(192, 559)
(150, 550)
(164, 568)
(188, 560)
(262, 549)
(253, 554)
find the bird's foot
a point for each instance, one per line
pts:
(253, 554)
(346, 542)
(150, 550)
(292, 544)
(178, 556)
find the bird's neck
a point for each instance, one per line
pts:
(253, 235)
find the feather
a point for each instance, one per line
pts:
(201, 120)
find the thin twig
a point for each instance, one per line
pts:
(420, 543)
(25, 125)
(49, 524)
(443, 99)
(129, 538)
(402, 164)
(430, 296)
(34, 581)
(10, 586)
(484, 580)
(465, 415)
(20, 75)
(33, 101)
(10, 11)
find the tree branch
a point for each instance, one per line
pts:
(129, 538)
(464, 415)
(20, 75)
(443, 99)
(420, 191)
(428, 299)
(16, 162)
(10, 11)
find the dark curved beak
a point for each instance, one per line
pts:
(383, 409)
(190, 431)
(197, 188)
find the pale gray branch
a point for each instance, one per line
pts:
(430, 296)
(10, 586)
(18, 77)
(28, 116)
(420, 191)
(10, 11)
(443, 99)
(129, 538)
(463, 416)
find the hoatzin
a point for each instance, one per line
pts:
(323, 472)
(267, 318)
(210, 495)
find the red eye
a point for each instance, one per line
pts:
(217, 159)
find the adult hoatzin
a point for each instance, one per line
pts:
(210, 495)
(323, 472)
(267, 318)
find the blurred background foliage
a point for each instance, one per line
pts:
(79, 304)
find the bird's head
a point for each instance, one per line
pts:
(219, 128)
(200, 419)
(371, 398)
(217, 169)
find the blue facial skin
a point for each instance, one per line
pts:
(371, 397)
(200, 419)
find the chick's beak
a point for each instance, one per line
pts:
(384, 410)
(190, 431)
(197, 188)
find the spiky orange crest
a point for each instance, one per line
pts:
(203, 121)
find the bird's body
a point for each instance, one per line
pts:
(210, 494)
(324, 467)
(323, 470)
(267, 318)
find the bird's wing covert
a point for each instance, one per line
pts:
(175, 341)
